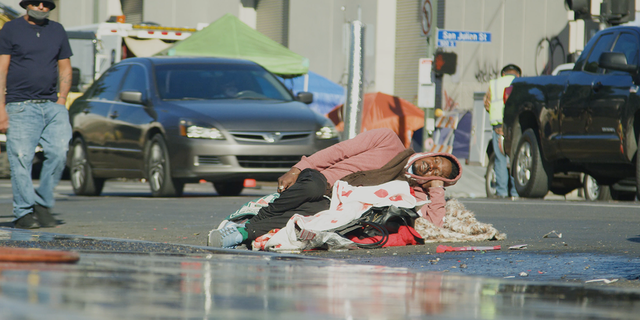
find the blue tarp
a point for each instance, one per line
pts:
(462, 137)
(326, 93)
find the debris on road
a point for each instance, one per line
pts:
(443, 248)
(553, 234)
(524, 274)
(518, 247)
(606, 281)
(37, 255)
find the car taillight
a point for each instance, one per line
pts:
(507, 93)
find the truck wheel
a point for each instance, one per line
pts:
(159, 170)
(593, 191)
(490, 178)
(531, 177)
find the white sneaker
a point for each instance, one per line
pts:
(226, 237)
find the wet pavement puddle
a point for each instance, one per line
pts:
(199, 283)
(539, 265)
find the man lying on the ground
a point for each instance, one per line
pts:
(371, 158)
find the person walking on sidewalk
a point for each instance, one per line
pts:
(494, 104)
(371, 158)
(35, 71)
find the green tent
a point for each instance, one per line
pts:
(228, 37)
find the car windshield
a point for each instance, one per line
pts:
(218, 81)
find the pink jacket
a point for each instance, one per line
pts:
(367, 151)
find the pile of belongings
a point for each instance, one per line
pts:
(366, 217)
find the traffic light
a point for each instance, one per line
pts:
(581, 8)
(445, 62)
(613, 12)
(616, 12)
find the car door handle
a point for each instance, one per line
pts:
(114, 115)
(596, 86)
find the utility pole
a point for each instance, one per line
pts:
(426, 83)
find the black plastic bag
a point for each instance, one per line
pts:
(378, 221)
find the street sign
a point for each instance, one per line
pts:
(446, 43)
(424, 71)
(469, 36)
(426, 15)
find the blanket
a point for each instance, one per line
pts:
(301, 233)
(460, 225)
(347, 204)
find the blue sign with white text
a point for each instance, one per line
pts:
(446, 43)
(469, 36)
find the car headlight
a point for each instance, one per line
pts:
(197, 132)
(327, 132)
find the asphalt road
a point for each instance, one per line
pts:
(599, 240)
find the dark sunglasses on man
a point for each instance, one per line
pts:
(37, 4)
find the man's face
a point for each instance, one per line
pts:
(511, 72)
(38, 6)
(432, 167)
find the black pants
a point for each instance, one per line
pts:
(305, 197)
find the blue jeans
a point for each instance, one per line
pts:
(31, 124)
(500, 167)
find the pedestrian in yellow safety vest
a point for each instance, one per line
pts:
(494, 104)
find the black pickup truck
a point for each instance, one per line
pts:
(583, 121)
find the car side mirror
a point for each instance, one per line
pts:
(616, 61)
(305, 97)
(132, 97)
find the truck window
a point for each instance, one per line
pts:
(603, 44)
(627, 43)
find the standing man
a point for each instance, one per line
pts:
(494, 104)
(34, 57)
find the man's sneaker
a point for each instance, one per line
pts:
(228, 223)
(44, 217)
(26, 222)
(227, 237)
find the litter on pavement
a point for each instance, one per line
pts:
(553, 234)
(443, 248)
(606, 281)
(37, 255)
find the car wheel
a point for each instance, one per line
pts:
(159, 170)
(490, 178)
(593, 191)
(81, 174)
(229, 188)
(638, 171)
(531, 177)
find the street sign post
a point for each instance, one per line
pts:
(426, 88)
(468, 36)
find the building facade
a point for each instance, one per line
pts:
(537, 35)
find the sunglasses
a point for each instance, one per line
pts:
(37, 3)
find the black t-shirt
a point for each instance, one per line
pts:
(35, 51)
